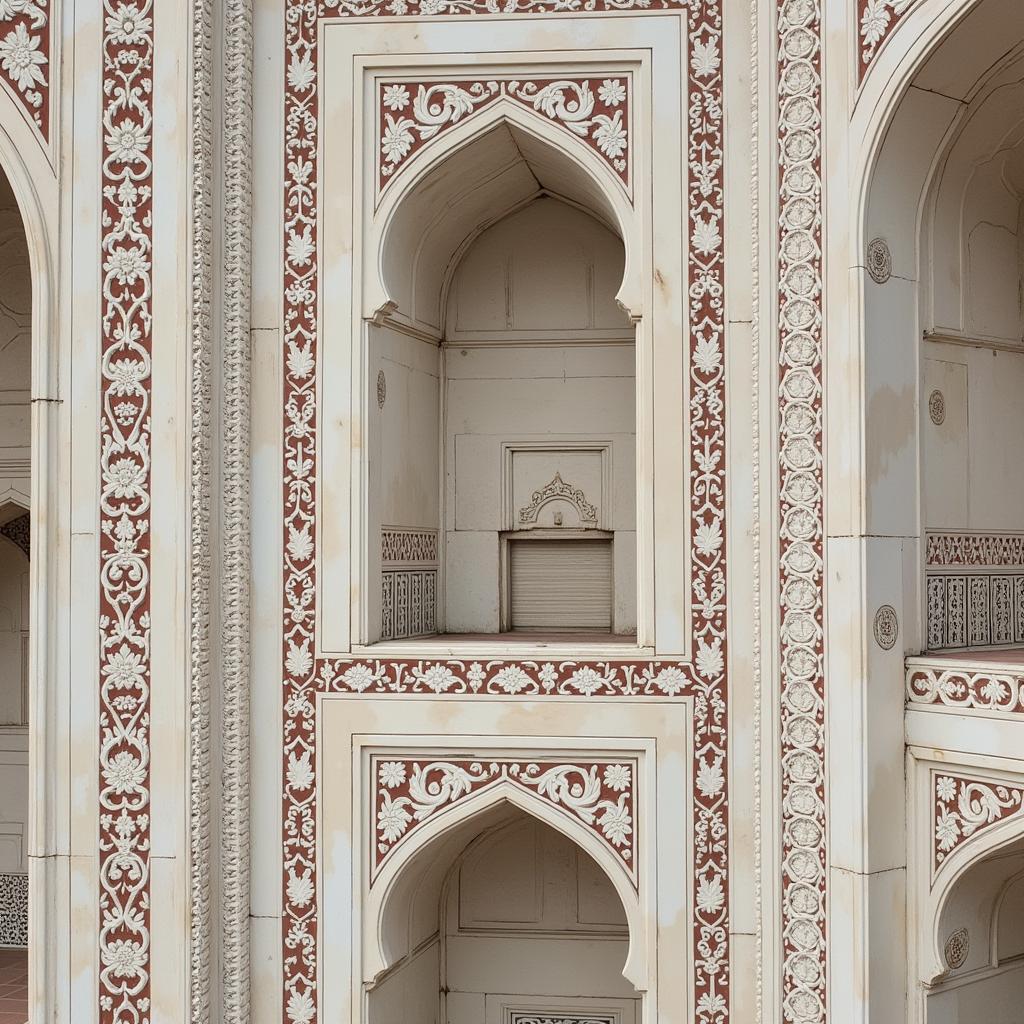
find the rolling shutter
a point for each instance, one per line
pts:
(561, 584)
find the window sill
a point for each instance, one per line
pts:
(518, 646)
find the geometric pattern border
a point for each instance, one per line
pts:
(703, 680)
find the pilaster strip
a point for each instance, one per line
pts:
(801, 515)
(126, 248)
(201, 954)
(238, 76)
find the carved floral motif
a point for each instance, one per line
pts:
(25, 57)
(965, 690)
(125, 456)
(558, 489)
(703, 680)
(965, 806)
(595, 110)
(19, 531)
(600, 794)
(801, 514)
(877, 20)
(981, 549)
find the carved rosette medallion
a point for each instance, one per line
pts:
(703, 679)
(956, 949)
(964, 807)
(879, 260)
(124, 514)
(937, 407)
(595, 110)
(411, 791)
(801, 513)
(886, 627)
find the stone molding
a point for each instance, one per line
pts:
(703, 680)
(803, 823)
(237, 35)
(126, 289)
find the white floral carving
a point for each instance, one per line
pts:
(24, 56)
(125, 458)
(412, 790)
(570, 103)
(877, 19)
(965, 806)
(964, 689)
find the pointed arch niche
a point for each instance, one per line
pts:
(492, 376)
(503, 913)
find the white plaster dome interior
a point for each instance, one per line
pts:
(502, 919)
(502, 415)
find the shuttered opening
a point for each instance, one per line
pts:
(561, 584)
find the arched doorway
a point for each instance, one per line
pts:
(15, 553)
(506, 920)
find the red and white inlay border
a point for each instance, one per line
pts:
(965, 806)
(965, 689)
(124, 513)
(410, 791)
(595, 110)
(801, 515)
(703, 680)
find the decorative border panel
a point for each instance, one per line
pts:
(595, 110)
(965, 689)
(965, 806)
(125, 461)
(409, 791)
(25, 68)
(801, 514)
(408, 582)
(974, 585)
(876, 21)
(703, 680)
(561, 1017)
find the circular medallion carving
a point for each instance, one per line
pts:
(879, 260)
(937, 407)
(958, 945)
(887, 627)
(382, 389)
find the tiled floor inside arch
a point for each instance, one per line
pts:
(13, 986)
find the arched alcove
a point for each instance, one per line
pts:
(979, 936)
(500, 914)
(944, 325)
(501, 365)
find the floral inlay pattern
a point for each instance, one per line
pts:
(703, 681)
(877, 20)
(965, 806)
(965, 690)
(595, 110)
(125, 459)
(25, 27)
(409, 791)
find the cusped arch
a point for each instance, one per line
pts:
(426, 847)
(970, 854)
(465, 180)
